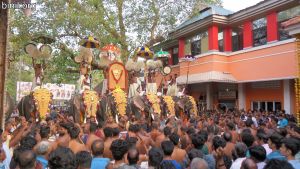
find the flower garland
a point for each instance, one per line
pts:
(154, 100)
(170, 104)
(192, 100)
(120, 99)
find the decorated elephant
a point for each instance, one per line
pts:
(148, 106)
(86, 105)
(115, 105)
(187, 105)
(26, 107)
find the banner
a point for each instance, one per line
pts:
(59, 92)
(23, 89)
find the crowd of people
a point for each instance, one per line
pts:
(211, 140)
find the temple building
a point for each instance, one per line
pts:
(243, 59)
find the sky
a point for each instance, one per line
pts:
(236, 5)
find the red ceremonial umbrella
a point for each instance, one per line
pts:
(111, 51)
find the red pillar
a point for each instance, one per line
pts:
(181, 43)
(170, 61)
(213, 38)
(272, 28)
(227, 39)
(248, 34)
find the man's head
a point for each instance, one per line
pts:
(290, 147)
(167, 131)
(198, 163)
(258, 153)
(83, 160)
(93, 127)
(275, 141)
(247, 138)
(44, 132)
(27, 159)
(198, 140)
(227, 136)
(97, 148)
(155, 157)
(174, 137)
(218, 142)
(42, 148)
(248, 164)
(195, 153)
(108, 132)
(133, 156)
(167, 147)
(119, 148)
(28, 142)
(74, 132)
(278, 164)
(62, 158)
(240, 150)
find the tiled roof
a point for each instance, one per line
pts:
(292, 21)
(212, 76)
(211, 10)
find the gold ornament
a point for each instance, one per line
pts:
(192, 100)
(90, 100)
(120, 99)
(170, 104)
(42, 98)
(154, 100)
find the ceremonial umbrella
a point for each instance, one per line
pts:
(162, 54)
(144, 52)
(111, 51)
(90, 42)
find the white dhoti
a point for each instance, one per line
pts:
(133, 90)
(104, 87)
(172, 90)
(151, 88)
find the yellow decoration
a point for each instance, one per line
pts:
(154, 100)
(90, 100)
(42, 98)
(170, 104)
(297, 81)
(192, 100)
(120, 99)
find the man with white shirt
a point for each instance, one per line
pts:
(262, 139)
(239, 154)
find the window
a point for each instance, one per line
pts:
(266, 105)
(175, 56)
(284, 16)
(198, 44)
(237, 39)
(259, 32)
(221, 40)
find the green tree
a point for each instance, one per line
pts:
(127, 23)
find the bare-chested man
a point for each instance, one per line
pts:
(92, 136)
(75, 143)
(64, 137)
(44, 134)
(163, 137)
(108, 132)
(178, 153)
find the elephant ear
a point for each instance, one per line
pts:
(138, 102)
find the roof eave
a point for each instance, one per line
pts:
(201, 24)
(260, 9)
